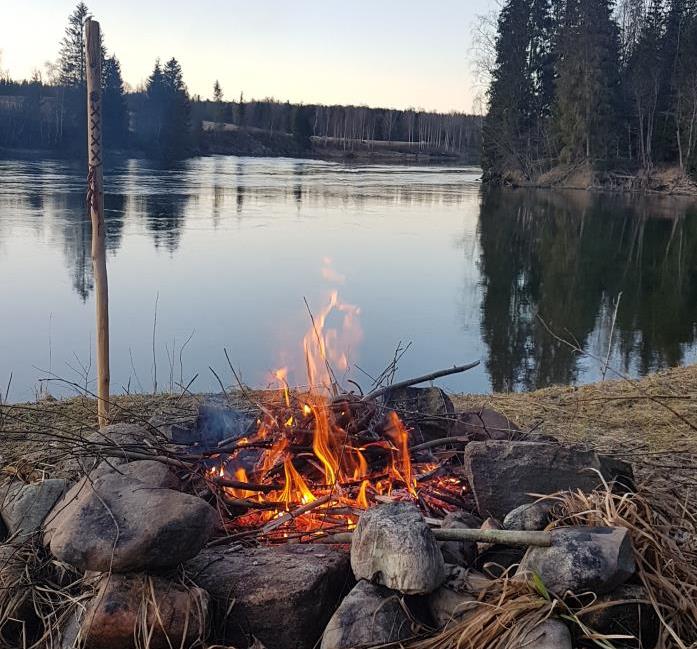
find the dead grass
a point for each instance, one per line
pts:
(663, 539)
(506, 610)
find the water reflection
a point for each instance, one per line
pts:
(234, 244)
(565, 257)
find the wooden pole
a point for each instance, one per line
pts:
(95, 202)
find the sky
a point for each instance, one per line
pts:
(388, 53)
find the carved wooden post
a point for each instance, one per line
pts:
(95, 202)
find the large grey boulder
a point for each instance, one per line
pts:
(393, 546)
(370, 615)
(283, 596)
(580, 559)
(130, 611)
(503, 474)
(149, 472)
(24, 507)
(427, 412)
(116, 523)
(551, 634)
(112, 442)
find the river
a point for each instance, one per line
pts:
(222, 252)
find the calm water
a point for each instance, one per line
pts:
(229, 247)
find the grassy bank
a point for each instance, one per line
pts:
(660, 180)
(651, 422)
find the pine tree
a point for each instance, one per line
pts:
(164, 126)
(508, 120)
(217, 92)
(177, 132)
(115, 117)
(71, 61)
(522, 89)
(588, 82)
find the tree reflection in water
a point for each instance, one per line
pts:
(565, 256)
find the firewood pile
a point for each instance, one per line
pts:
(345, 521)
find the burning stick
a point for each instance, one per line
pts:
(246, 486)
(289, 516)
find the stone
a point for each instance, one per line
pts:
(283, 596)
(25, 506)
(503, 474)
(113, 437)
(447, 605)
(551, 634)
(533, 517)
(634, 616)
(393, 546)
(486, 424)
(488, 524)
(174, 427)
(427, 412)
(116, 523)
(461, 553)
(130, 611)
(580, 559)
(149, 472)
(370, 615)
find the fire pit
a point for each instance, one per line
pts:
(313, 464)
(290, 518)
(312, 460)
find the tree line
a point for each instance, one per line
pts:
(162, 119)
(577, 81)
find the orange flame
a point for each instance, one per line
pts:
(328, 459)
(294, 484)
(281, 375)
(400, 437)
(321, 445)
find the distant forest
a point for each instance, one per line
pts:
(162, 120)
(588, 81)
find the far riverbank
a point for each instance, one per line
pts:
(668, 180)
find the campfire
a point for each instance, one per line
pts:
(314, 459)
(326, 516)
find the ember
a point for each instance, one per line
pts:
(319, 457)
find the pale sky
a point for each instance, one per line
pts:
(392, 53)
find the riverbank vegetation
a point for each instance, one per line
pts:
(161, 119)
(584, 84)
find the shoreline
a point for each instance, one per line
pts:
(648, 420)
(660, 181)
(396, 158)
